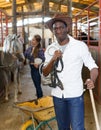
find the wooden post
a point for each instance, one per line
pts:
(69, 5)
(14, 21)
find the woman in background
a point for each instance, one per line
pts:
(35, 55)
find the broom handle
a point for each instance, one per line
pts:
(94, 109)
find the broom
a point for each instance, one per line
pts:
(94, 109)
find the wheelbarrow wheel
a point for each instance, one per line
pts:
(28, 125)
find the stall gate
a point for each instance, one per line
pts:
(3, 34)
(95, 45)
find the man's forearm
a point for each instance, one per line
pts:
(48, 68)
(94, 74)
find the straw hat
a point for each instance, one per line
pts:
(61, 17)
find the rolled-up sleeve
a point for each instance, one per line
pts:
(88, 60)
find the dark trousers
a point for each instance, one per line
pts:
(36, 80)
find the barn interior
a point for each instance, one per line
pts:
(28, 17)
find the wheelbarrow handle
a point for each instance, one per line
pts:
(94, 109)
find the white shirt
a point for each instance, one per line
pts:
(75, 55)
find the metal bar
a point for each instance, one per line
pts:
(88, 7)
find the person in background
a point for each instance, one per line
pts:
(35, 55)
(69, 101)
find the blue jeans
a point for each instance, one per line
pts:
(36, 80)
(69, 113)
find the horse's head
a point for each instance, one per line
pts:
(17, 47)
(13, 46)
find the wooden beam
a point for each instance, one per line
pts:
(77, 5)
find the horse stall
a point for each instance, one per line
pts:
(92, 37)
(2, 82)
(3, 33)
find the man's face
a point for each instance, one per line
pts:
(60, 30)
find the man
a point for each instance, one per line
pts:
(69, 102)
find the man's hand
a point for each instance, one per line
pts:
(89, 83)
(57, 54)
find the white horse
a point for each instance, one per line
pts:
(11, 57)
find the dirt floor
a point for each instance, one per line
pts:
(12, 118)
